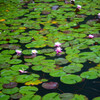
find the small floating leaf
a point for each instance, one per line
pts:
(10, 91)
(4, 97)
(16, 96)
(50, 85)
(70, 79)
(51, 96)
(28, 90)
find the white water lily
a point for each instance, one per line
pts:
(34, 51)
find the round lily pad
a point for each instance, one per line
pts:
(66, 96)
(72, 68)
(51, 96)
(96, 98)
(37, 68)
(16, 96)
(70, 79)
(15, 61)
(57, 73)
(23, 78)
(89, 74)
(61, 61)
(10, 85)
(4, 97)
(28, 90)
(50, 85)
(10, 91)
(19, 67)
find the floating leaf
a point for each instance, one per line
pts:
(66, 96)
(4, 97)
(15, 61)
(16, 96)
(11, 91)
(28, 90)
(96, 98)
(70, 79)
(51, 96)
(10, 85)
(33, 82)
(50, 85)
(89, 74)
(57, 73)
(72, 68)
(61, 61)
(19, 67)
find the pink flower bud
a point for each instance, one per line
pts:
(18, 52)
(91, 36)
(79, 7)
(58, 50)
(57, 44)
(99, 15)
(22, 71)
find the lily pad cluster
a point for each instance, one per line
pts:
(28, 25)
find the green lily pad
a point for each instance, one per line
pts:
(89, 74)
(96, 98)
(4, 97)
(8, 52)
(66, 96)
(37, 67)
(72, 68)
(70, 79)
(51, 96)
(60, 61)
(57, 73)
(28, 90)
(15, 61)
(19, 67)
(5, 72)
(16, 96)
(10, 91)
(79, 97)
(26, 78)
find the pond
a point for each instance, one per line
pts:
(49, 50)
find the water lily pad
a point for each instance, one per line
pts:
(16, 96)
(19, 67)
(28, 90)
(79, 97)
(96, 98)
(61, 61)
(10, 91)
(4, 97)
(57, 73)
(89, 74)
(72, 68)
(51, 96)
(10, 85)
(66, 96)
(9, 73)
(70, 79)
(15, 61)
(50, 85)
(26, 78)
(37, 68)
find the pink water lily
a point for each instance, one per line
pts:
(79, 6)
(18, 52)
(34, 51)
(22, 71)
(91, 36)
(58, 50)
(57, 44)
(99, 15)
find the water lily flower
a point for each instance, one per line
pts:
(22, 71)
(91, 36)
(58, 50)
(57, 44)
(99, 15)
(18, 52)
(79, 6)
(34, 51)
